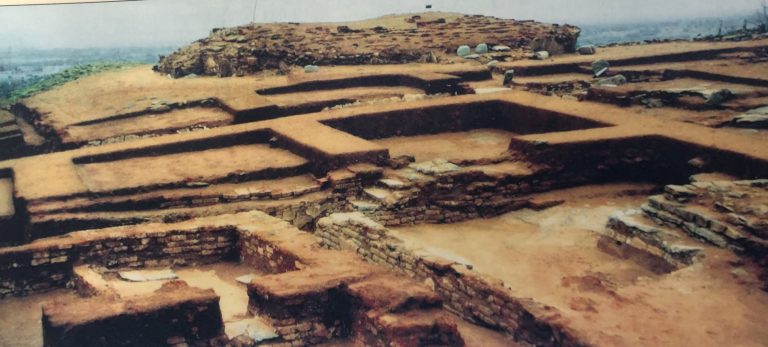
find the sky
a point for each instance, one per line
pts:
(177, 22)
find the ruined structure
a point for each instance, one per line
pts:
(428, 37)
(394, 205)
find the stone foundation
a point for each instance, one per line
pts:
(48, 263)
(473, 297)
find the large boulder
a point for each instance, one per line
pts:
(463, 51)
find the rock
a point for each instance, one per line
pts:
(147, 275)
(472, 56)
(751, 121)
(463, 51)
(197, 184)
(392, 183)
(600, 67)
(481, 48)
(492, 63)
(501, 48)
(509, 75)
(719, 97)
(431, 58)
(587, 50)
(652, 102)
(491, 90)
(159, 108)
(253, 328)
(378, 194)
(311, 68)
(699, 163)
(245, 279)
(434, 167)
(611, 81)
(401, 161)
(364, 206)
(681, 193)
(761, 111)
(541, 55)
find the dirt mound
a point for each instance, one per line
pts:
(428, 37)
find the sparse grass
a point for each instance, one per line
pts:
(57, 79)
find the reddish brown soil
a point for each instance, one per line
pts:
(20, 318)
(552, 257)
(220, 277)
(389, 40)
(6, 198)
(150, 123)
(459, 146)
(185, 167)
(627, 52)
(692, 85)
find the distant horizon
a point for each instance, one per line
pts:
(174, 23)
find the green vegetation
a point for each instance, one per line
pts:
(11, 93)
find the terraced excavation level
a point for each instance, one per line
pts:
(418, 204)
(558, 257)
(717, 84)
(205, 165)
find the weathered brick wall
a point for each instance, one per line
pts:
(264, 255)
(48, 263)
(175, 315)
(463, 196)
(471, 296)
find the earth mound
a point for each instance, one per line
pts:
(425, 37)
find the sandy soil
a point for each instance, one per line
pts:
(625, 52)
(121, 92)
(727, 67)
(187, 166)
(133, 90)
(473, 335)
(220, 277)
(694, 85)
(150, 123)
(551, 256)
(279, 185)
(6, 198)
(360, 93)
(465, 145)
(21, 318)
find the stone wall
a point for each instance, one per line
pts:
(460, 196)
(679, 224)
(473, 297)
(48, 263)
(314, 294)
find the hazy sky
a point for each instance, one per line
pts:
(175, 22)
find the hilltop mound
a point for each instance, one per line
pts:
(426, 37)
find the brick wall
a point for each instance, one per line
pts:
(473, 297)
(48, 263)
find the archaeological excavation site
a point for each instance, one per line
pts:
(425, 179)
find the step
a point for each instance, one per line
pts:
(633, 228)
(364, 205)
(693, 219)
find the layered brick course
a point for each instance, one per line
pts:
(472, 296)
